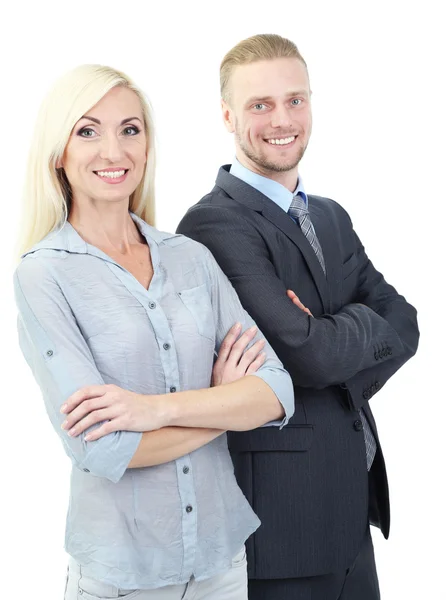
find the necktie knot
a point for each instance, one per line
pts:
(298, 207)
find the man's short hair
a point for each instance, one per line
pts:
(265, 46)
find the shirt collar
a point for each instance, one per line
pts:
(271, 189)
(67, 238)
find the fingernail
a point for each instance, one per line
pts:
(253, 328)
(237, 326)
(72, 432)
(63, 408)
(88, 437)
(64, 424)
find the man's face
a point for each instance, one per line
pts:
(270, 113)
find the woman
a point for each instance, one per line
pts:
(119, 323)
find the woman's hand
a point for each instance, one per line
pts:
(232, 362)
(118, 409)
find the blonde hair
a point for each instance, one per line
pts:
(47, 193)
(266, 46)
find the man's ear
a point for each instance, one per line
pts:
(228, 116)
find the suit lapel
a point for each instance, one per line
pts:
(324, 228)
(255, 200)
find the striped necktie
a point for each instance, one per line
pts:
(299, 211)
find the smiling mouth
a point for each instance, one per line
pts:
(281, 141)
(115, 174)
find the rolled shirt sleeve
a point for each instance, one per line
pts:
(227, 311)
(62, 363)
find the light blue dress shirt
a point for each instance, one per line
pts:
(271, 189)
(85, 320)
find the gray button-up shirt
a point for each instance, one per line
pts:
(85, 320)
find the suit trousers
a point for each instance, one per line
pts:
(230, 585)
(358, 582)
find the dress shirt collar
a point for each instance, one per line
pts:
(271, 189)
(67, 238)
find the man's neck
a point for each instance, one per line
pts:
(288, 179)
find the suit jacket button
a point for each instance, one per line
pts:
(377, 385)
(366, 394)
(358, 425)
(389, 350)
(376, 356)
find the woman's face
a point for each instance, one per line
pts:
(105, 156)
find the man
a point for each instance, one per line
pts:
(318, 483)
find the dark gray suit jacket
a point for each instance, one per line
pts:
(308, 482)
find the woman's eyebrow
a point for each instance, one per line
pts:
(123, 122)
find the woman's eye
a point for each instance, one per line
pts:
(131, 130)
(87, 132)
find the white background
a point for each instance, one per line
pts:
(377, 73)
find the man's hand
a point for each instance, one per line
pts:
(292, 296)
(120, 409)
(231, 363)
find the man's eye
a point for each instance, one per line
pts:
(131, 130)
(87, 132)
(259, 106)
(296, 101)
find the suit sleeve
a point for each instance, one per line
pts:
(375, 293)
(317, 352)
(61, 362)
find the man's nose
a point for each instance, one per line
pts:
(281, 117)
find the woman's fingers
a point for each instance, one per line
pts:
(81, 410)
(251, 354)
(104, 429)
(256, 364)
(85, 393)
(240, 345)
(92, 418)
(228, 342)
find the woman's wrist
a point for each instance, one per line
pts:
(165, 406)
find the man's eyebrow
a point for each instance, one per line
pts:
(123, 122)
(259, 100)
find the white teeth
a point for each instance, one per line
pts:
(111, 174)
(281, 142)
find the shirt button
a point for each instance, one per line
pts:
(166, 346)
(185, 470)
(152, 304)
(86, 470)
(80, 591)
(189, 508)
(49, 353)
(173, 389)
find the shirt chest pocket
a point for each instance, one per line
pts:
(198, 303)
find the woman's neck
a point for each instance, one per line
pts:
(108, 226)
